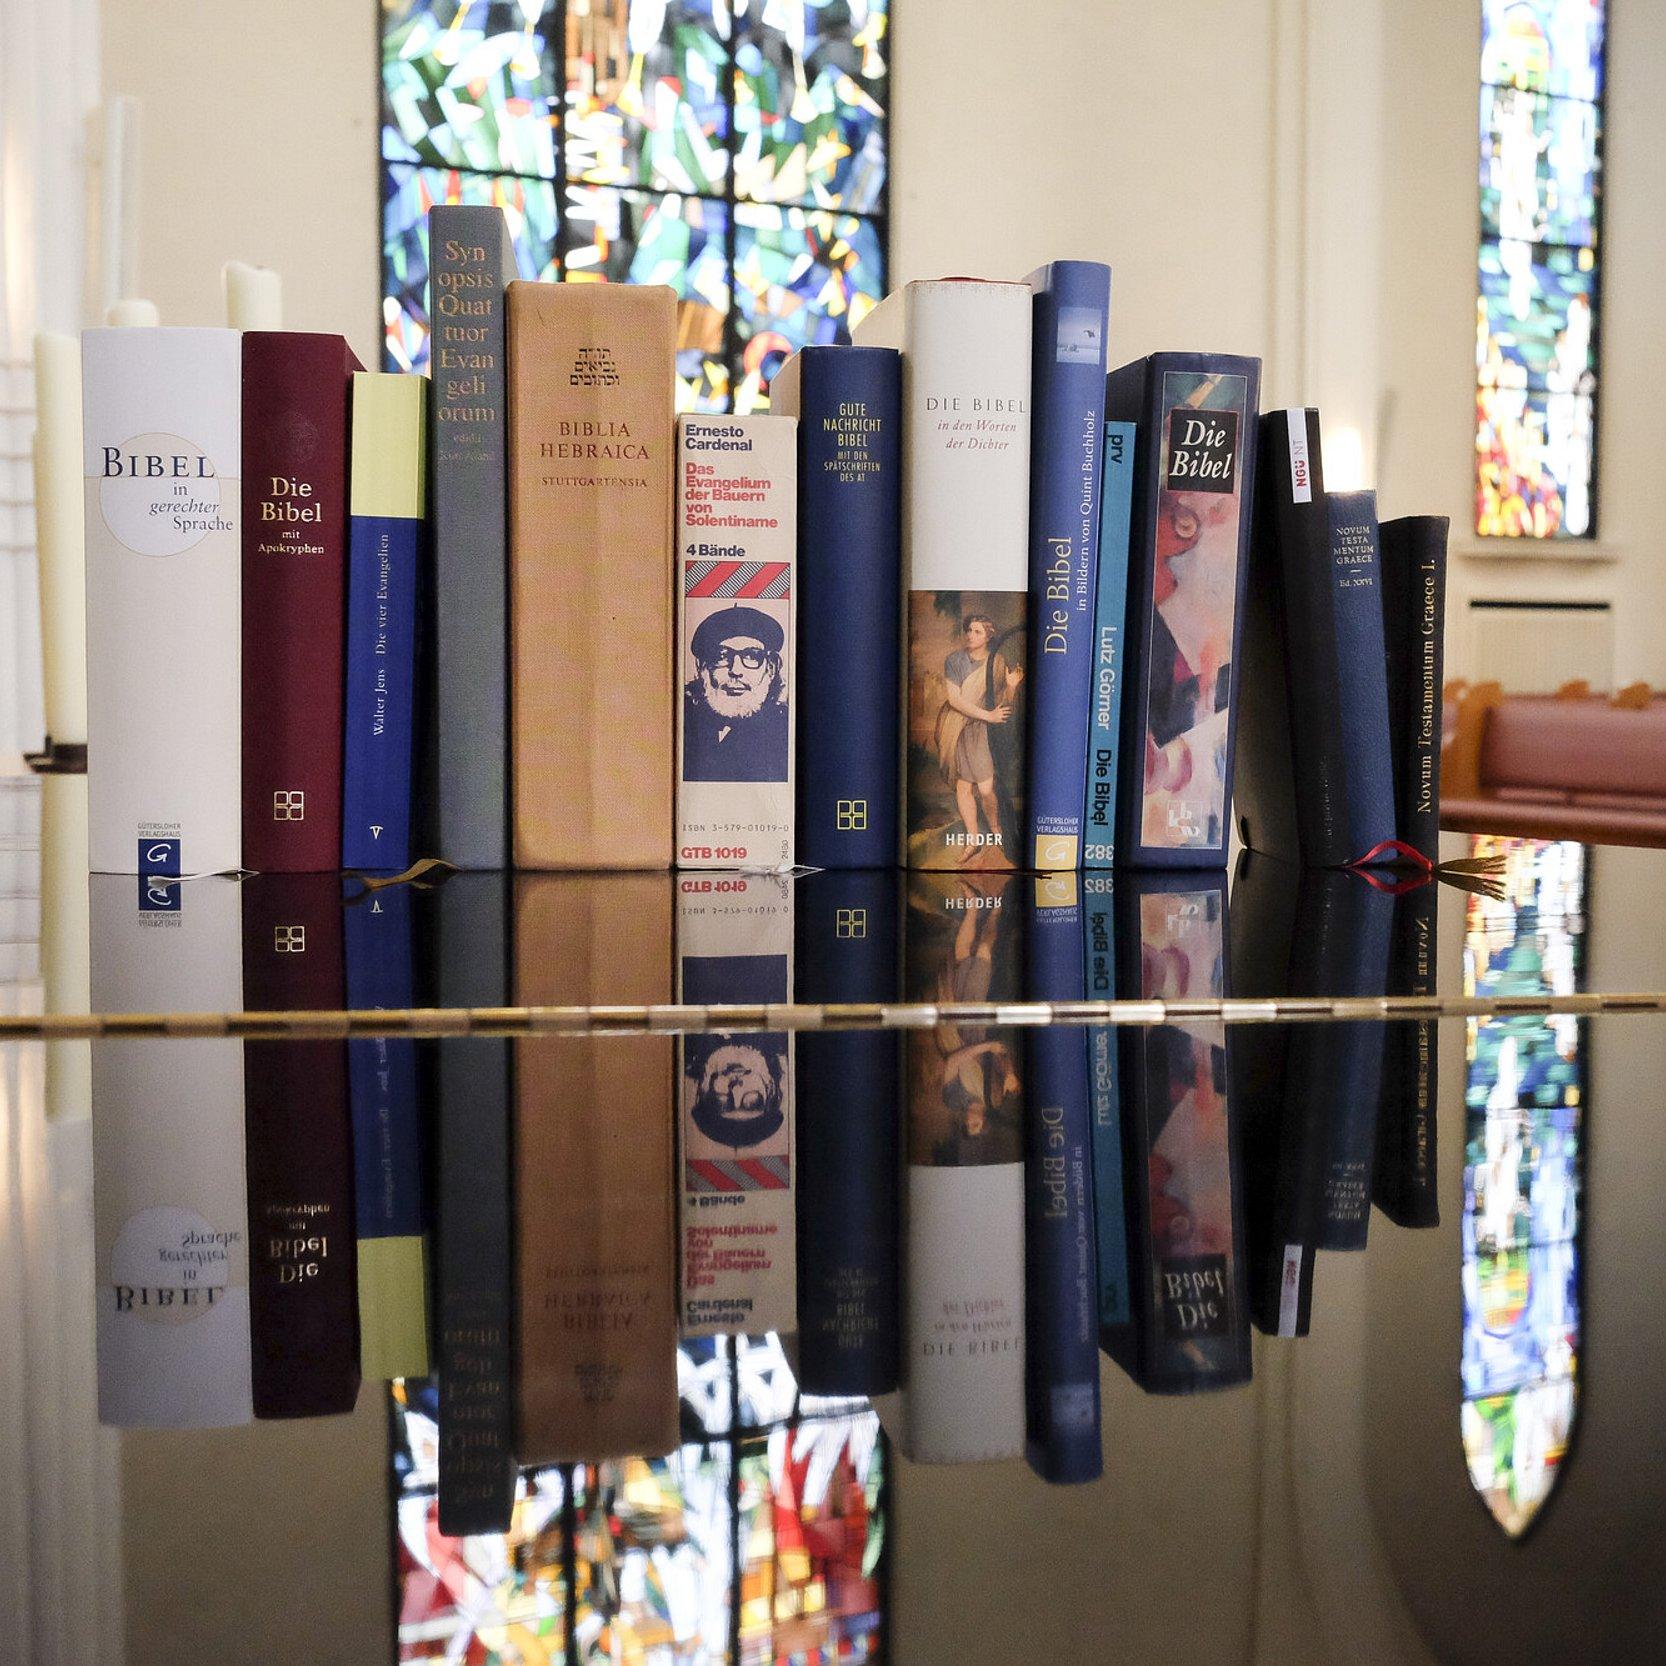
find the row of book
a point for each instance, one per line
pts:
(953, 1223)
(961, 599)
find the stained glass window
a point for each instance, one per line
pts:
(734, 149)
(1538, 297)
(1524, 1125)
(760, 1539)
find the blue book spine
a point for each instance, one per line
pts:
(1110, 1209)
(1110, 625)
(1361, 710)
(849, 1093)
(849, 407)
(1061, 1304)
(1067, 414)
(1189, 530)
(382, 1070)
(384, 564)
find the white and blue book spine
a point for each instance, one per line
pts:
(1110, 624)
(162, 428)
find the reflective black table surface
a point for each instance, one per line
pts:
(964, 1340)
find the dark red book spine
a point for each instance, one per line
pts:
(303, 1250)
(295, 440)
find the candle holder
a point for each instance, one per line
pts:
(59, 757)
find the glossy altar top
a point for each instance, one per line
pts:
(984, 1343)
(528, 953)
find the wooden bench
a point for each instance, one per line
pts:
(1569, 765)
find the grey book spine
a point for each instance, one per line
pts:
(471, 259)
(466, 963)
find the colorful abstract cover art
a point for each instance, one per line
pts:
(1194, 604)
(965, 1086)
(1189, 1152)
(736, 153)
(1524, 1110)
(965, 786)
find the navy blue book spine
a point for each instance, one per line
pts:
(384, 564)
(1194, 493)
(382, 1070)
(1360, 712)
(1072, 310)
(1061, 1304)
(850, 605)
(1340, 947)
(849, 1088)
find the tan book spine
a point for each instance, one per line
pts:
(737, 547)
(596, 1269)
(591, 458)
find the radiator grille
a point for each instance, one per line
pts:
(1536, 647)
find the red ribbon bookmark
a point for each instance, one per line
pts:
(1401, 849)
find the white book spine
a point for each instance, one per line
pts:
(162, 432)
(738, 1260)
(966, 430)
(965, 348)
(737, 538)
(963, 1364)
(169, 1195)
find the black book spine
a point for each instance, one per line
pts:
(1414, 624)
(466, 950)
(1283, 1140)
(1292, 486)
(471, 259)
(1404, 1184)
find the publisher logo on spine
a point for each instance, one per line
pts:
(1203, 450)
(159, 856)
(159, 495)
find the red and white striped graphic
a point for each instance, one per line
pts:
(764, 580)
(738, 1174)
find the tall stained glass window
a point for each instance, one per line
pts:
(1539, 293)
(734, 149)
(1524, 1126)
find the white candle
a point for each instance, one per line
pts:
(133, 314)
(254, 297)
(65, 929)
(59, 535)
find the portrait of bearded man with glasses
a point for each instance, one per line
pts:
(735, 717)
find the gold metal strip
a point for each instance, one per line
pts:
(431, 1022)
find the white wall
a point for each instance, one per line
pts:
(258, 135)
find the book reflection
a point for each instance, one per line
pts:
(962, 1391)
(596, 1282)
(848, 1088)
(1335, 1115)
(1187, 1326)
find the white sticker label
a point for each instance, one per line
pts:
(1290, 1291)
(1301, 473)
